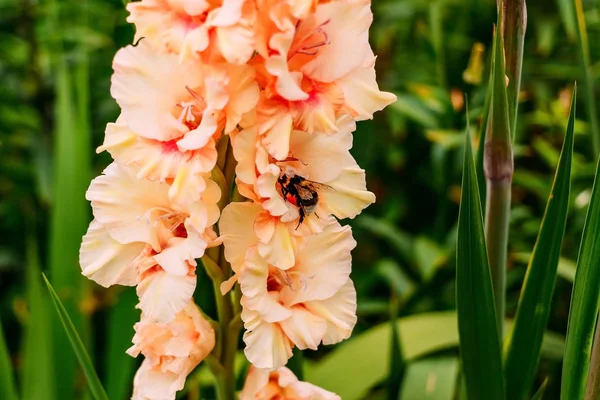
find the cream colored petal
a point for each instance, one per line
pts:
(180, 252)
(339, 311)
(236, 43)
(264, 226)
(237, 229)
(280, 250)
(324, 265)
(361, 93)
(288, 83)
(244, 151)
(106, 261)
(267, 346)
(323, 156)
(256, 380)
(121, 202)
(148, 86)
(266, 187)
(347, 26)
(277, 137)
(349, 195)
(253, 283)
(195, 41)
(202, 135)
(187, 186)
(163, 295)
(304, 329)
(153, 384)
(243, 92)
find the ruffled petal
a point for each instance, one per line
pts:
(350, 195)
(339, 311)
(266, 345)
(304, 329)
(163, 295)
(280, 250)
(106, 261)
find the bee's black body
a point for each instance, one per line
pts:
(300, 192)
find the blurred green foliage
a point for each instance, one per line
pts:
(55, 68)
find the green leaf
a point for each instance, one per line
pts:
(420, 335)
(585, 302)
(84, 359)
(8, 389)
(398, 239)
(38, 380)
(479, 343)
(69, 220)
(523, 344)
(430, 379)
(120, 366)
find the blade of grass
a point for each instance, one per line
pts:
(585, 302)
(479, 342)
(523, 345)
(84, 359)
(540, 392)
(38, 380)
(481, 146)
(8, 389)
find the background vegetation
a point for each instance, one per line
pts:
(55, 67)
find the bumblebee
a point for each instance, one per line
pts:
(300, 192)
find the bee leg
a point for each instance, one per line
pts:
(302, 215)
(317, 215)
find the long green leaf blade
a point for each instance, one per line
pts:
(585, 302)
(84, 359)
(70, 216)
(38, 378)
(8, 388)
(479, 343)
(523, 345)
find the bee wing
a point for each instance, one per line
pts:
(320, 186)
(303, 192)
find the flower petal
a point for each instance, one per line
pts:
(266, 345)
(237, 228)
(280, 250)
(106, 261)
(339, 311)
(121, 203)
(324, 264)
(350, 195)
(163, 295)
(304, 328)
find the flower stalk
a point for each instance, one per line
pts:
(514, 25)
(498, 170)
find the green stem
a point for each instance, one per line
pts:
(588, 80)
(514, 24)
(496, 235)
(229, 324)
(593, 382)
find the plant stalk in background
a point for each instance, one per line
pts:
(498, 169)
(514, 25)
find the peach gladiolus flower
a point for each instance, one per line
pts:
(281, 384)
(172, 114)
(140, 236)
(311, 302)
(316, 69)
(172, 351)
(191, 28)
(321, 158)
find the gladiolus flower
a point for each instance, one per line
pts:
(316, 69)
(323, 159)
(311, 302)
(140, 236)
(281, 385)
(171, 350)
(191, 28)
